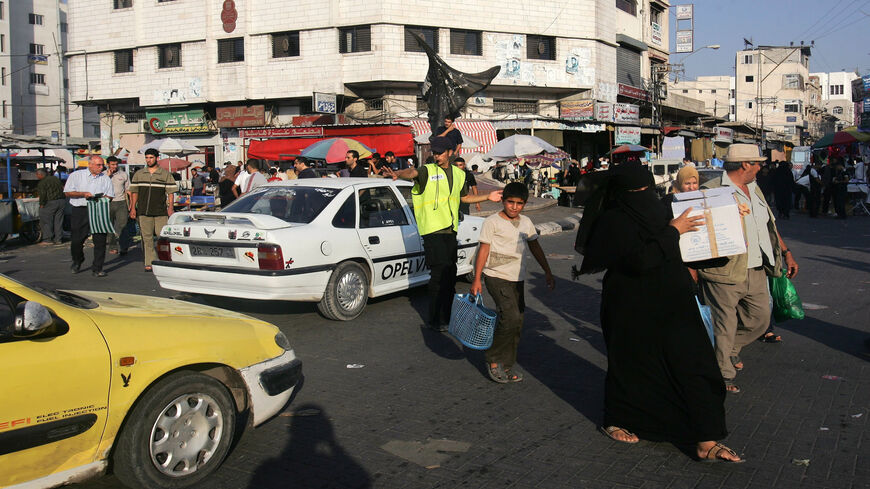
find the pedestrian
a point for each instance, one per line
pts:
(662, 382)
(735, 288)
(354, 167)
(840, 189)
(213, 175)
(573, 174)
(255, 178)
(814, 194)
(375, 164)
(451, 132)
(226, 184)
(273, 175)
(197, 182)
(242, 176)
(783, 188)
(119, 209)
(827, 186)
(302, 168)
(392, 162)
(81, 185)
(52, 203)
(438, 190)
(151, 193)
(505, 237)
(470, 181)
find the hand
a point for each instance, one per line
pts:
(132, 213)
(169, 211)
(88, 195)
(744, 209)
(551, 282)
(476, 287)
(478, 206)
(495, 196)
(685, 224)
(792, 266)
(387, 171)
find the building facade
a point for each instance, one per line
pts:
(717, 93)
(163, 57)
(5, 71)
(837, 96)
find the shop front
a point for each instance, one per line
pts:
(188, 125)
(285, 143)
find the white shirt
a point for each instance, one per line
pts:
(83, 181)
(758, 245)
(242, 179)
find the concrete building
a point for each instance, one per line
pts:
(157, 58)
(5, 70)
(837, 96)
(715, 91)
(33, 76)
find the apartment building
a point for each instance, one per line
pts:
(5, 70)
(837, 96)
(717, 93)
(159, 57)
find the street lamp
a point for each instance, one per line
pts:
(709, 46)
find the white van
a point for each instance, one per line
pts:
(800, 158)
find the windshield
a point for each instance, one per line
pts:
(291, 204)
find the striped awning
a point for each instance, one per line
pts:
(481, 131)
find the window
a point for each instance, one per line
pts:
(133, 117)
(64, 27)
(734, 109)
(656, 14)
(628, 66)
(5, 113)
(792, 107)
(356, 39)
(629, 6)
(429, 34)
(285, 44)
(836, 89)
(732, 93)
(35, 19)
(164, 1)
(685, 91)
(700, 92)
(747, 59)
(345, 218)
(748, 105)
(290, 204)
(792, 80)
(374, 104)
(124, 61)
(3, 75)
(119, 4)
(379, 207)
(2, 16)
(37, 79)
(169, 56)
(750, 79)
(231, 50)
(422, 105)
(36, 48)
(540, 47)
(2, 43)
(508, 106)
(469, 43)
(837, 110)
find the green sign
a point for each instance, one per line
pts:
(177, 122)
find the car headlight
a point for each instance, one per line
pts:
(282, 341)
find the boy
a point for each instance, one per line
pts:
(501, 262)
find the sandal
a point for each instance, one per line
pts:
(148, 269)
(609, 431)
(771, 338)
(513, 377)
(713, 457)
(737, 362)
(497, 373)
(731, 387)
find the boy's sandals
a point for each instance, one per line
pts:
(771, 338)
(737, 363)
(611, 431)
(713, 457)
(731, 387)
(499, 374)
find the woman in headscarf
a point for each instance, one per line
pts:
(688, 180)
(783, 188)
(663, 383)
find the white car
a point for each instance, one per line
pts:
(334, 241)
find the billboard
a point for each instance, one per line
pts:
(177, 122)
(685, 41)
(685, 12)
(627, 135)
(578, 110)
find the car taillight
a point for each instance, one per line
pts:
(164, 251)
(270, 257)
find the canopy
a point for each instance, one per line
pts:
(171, 146)
(520, 145)
(480, 132)
(172, 164)
(629, 148)
(273, 149)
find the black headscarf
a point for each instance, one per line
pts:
(619, 188)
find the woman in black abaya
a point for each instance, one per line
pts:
(663, 382)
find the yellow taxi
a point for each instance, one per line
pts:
(155, 388)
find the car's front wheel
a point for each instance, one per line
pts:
(346, 293)
(177, 434)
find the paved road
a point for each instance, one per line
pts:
(422, 414)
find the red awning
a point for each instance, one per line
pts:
(382, 139)
(481, 131)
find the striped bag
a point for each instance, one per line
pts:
(99, 216)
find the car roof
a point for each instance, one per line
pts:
(337, 183)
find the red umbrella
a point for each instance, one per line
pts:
(629, 148)
(173, 164)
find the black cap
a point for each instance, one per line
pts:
(440, 144)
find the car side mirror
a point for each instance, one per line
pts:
(31, 318)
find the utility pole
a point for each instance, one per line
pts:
(61, 89)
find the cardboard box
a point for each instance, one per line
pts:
(722, 232)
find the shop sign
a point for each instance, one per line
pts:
(604, 112)
(37, 59)
(724, 135)
(791, 118)
(633, 92)
(656, 34)
(282, 132)
(177, 122)
(578, 110)
(627, 135)
(243, 116)
(325, 103)
(684, 12)
(626, 113)
(866, 105)
(685, 41)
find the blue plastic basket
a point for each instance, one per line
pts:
(471, 322)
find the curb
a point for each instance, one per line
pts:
(554, 227)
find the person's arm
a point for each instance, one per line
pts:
(69, 191)
(538, 253)
(789, 258)
(406, 174)
(480, 262)
(494, 196)
(134, 197)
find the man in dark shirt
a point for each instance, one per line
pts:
(302, 168)
(449, 131)
(51, 205)
(470, 184)
(353, 165)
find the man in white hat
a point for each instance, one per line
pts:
(735, 287)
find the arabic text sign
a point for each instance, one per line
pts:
(325, 103)
(604, 112)
(250, 116)
(685, 12)
(627, 135)
(577, 110)
(724, 135)
(282, 132)
(177, 122)
(656, 33)
(626, 113)
(685, 41)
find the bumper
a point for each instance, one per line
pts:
(270, 384)
(306, 285)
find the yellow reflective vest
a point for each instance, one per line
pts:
(437, 206)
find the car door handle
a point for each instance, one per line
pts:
(374, 240)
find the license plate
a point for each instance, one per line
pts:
(212, 251)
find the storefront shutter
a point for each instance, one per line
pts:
(628, 67)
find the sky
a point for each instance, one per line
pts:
(841, 29)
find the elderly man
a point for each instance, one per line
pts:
(80, 186)
(51, 205)
(735, 288)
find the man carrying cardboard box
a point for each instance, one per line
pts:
(735, 287)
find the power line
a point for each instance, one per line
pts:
(826, 34)
(834, 22)
(808, 29)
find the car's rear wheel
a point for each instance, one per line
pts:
(346, 293)
(177, 434)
